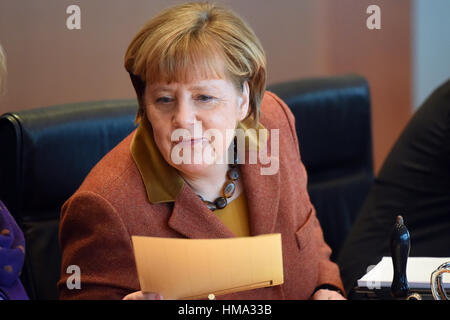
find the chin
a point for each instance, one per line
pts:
(194, 169)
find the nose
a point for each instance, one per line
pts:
(184, 115)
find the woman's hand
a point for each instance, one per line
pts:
(139, 295)
(325, 294)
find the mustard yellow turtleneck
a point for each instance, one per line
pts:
(235, 216)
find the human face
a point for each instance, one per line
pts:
(209, 104)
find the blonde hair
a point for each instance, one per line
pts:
(197, 39)
(3, 71)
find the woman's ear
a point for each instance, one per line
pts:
(244, 102)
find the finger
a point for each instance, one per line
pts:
(151, 296)
(338, 296)
(139, 295)
(320, 295)
(333, 295)
(325, 294)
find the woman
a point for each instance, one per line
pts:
(196, 67)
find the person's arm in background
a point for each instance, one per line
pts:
(12, 256)
(12, 242)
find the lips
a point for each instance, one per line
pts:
(191, 141)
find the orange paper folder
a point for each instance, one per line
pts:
(195, 268)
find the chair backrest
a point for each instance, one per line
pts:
(47, 152)
(45, 155)
(333, 125)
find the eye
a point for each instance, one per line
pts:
(164, 100)
(204, 98)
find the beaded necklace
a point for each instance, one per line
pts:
(229, 187)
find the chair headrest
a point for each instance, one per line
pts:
(330, 110)
(47, 152)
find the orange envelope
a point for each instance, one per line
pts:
(195, 268)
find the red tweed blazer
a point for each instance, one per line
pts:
(111, 205)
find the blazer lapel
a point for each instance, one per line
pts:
(263, 195)
(193, 219)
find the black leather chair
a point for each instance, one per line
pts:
(47, 152)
